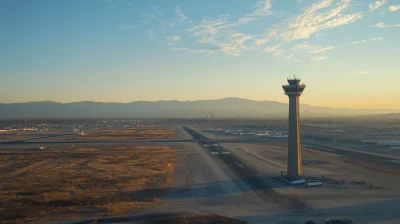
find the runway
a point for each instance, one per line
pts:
(250, 177)
(386, 162)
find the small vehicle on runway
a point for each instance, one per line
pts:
(297, 182)
(313, 183)
(338, 221)
(311, 222)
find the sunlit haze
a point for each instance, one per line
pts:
(346, 52)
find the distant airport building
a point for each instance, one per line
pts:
(293, 91)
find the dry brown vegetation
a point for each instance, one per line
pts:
(82, 182)
(15, 163)
(12, 137)
(196, 219)
(129, 134)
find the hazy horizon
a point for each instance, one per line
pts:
(345, 51)
(222, 108)
(196, 100)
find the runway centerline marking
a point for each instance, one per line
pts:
(248, 188)
(394, 161)
(187, 171)
(291, 205)
(240, 165)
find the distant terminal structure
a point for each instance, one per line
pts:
(293, 90)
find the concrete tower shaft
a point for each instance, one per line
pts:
(293, 91)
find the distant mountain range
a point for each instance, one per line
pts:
(221, 108)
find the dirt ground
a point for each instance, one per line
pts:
(361, 191)
(83, 182)
(195, 219)
(12, 137)
(338, 171)
(128, 134)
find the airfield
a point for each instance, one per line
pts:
(173, 172)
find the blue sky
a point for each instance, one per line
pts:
(346, 51)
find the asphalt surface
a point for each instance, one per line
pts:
(250, 177)
(384, 162)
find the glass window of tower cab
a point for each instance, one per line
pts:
(294, 87)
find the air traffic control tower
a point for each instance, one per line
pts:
(293, 91)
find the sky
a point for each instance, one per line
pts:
(345, 51)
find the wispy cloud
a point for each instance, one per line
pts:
(111, 4)
(288, 56)
(173, 38)
(219, 35)
(148, 15)
(207, 30)
(150, 34)
(365, 72)
(394, 8)
(260, 41)
(304, 45)
(382, 25)
(312, 49)
(235, 44)
(152, 15)
(262, 9)
(157, 11)
(377, 4)
(317, 17)
(277, 52)
(273, 48)
(205, 52)
(319, 50)
(319, 58)
(128, 27)
(182, 18)
(208, 26)
(218, 32)
(367, 40)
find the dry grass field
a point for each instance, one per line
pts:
(12, 137)
(129, 134)
(83, 182)
(196, 219)
(16, 164)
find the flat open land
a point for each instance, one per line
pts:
(129, 134)
(361, 190)
(381, 139)
(196, 219)
(12, 137)
(190, 178)
(64, 183)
